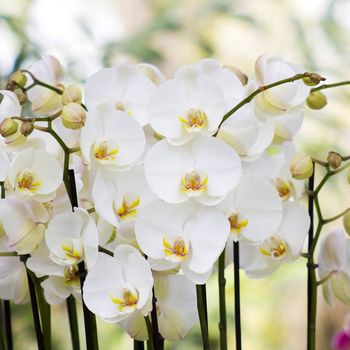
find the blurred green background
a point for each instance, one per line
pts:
(86, 35)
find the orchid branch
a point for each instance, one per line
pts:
(222, 302)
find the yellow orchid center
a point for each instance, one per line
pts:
(237, 222)
(73, 250)
(71, 275)
(27, 182)
(175, 249)
(127, 300)
(193, 183)
(120, 106)
(274, 247)
(194, 121)
(127, 210)
(105, 151)
(284, 188)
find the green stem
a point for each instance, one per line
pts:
(222, 302)
(8, 254)
(139, 345)
(260, 90)
(336, 217)
(150, 342)
(45, 316)
(41, 83)
(329, 86)
(73, 322)
(201, 307)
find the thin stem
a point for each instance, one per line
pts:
(329, 86)
(311, 275)
(104, 250)
(139, 345)
(238, 327)
(35, 310)
(158, 341)
(336, 217)
(8, 325)
(202, 316)
(260, 90)
(41, 83)
(8, 254)
(89, 317)
(222, 302)
(150, 342)
(73, 322)
(325, 278)
(45, 316)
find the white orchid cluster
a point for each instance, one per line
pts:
(165, 182)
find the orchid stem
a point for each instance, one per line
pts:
(202, 313)
(150, 342)
(73, 322)
(139, 345)
(222, 302)
(238, 326)
(8, 325)
(259, 90)
(329, 86)
(45, 316)
(311, 274)
(158, 341)
(89, 317)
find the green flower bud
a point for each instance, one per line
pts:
(72, 94)
(301, 167)
(334, 160)
(73, 116)
(27, 128)
(346, 222)
(18, 79)
(21, 95)
(313, 79)
(8, 127)
(316, 100)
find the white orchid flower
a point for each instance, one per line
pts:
(287, 125)
(284, 245)
(119, 196)
(181, 109)
(62, 281)
(280, 99)
(227, 80)
(71, 238)
(4, 165)
(13, 277)
(124, 87)
(50, 71)
(254, 209)
(246, 134)
(187, 235)
(35, 174)
(205, 169)
(111, 139)
(116, 287)
(334, 262)
(176, 309)
(24, 223)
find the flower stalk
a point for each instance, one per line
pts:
(73, 322)
(222, 302)
(238, 327)
(202, 313)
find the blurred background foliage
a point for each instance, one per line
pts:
(87, 35)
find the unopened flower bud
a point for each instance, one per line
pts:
(239, 74)
(8, 127)
(27, 128)
(18, 79)
(21, 95)
(346, 222)
(47, 102)
(71, 93)
(301, 167)
(313, 79)
(73, 116)
(334, 160)
(316, 100)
